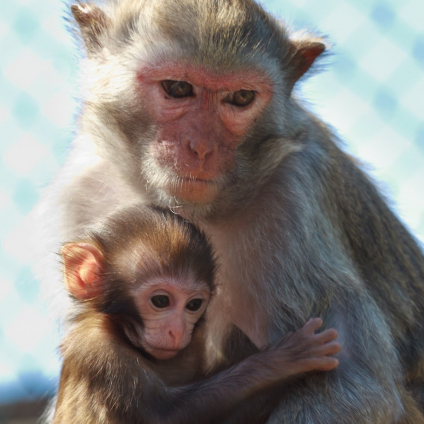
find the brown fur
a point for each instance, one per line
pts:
(106, 378)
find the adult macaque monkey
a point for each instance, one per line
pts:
(142, 281)
(188, 104)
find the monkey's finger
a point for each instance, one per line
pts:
(326, 349)
(326, 363)
(311, 325)
(326, 336)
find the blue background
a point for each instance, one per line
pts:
(371, 93)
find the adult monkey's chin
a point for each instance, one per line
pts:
(193, 191)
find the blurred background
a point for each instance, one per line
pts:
(372, 93)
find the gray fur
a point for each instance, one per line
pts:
(299, 229)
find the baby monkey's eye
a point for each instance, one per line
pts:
(160, 301)
(194, 305)
(177, 89)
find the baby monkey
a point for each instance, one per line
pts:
(142, 281)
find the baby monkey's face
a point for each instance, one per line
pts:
(169, 308)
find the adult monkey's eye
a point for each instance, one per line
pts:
(242, 98)
(194, 305)
(160, 301)
(177, 89)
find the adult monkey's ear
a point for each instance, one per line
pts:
(302, 55)
(93, 23)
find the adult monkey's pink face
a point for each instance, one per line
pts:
(191, 113)
(201, 117)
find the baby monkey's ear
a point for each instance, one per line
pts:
(83, 264)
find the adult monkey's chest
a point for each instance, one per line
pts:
(240, 283)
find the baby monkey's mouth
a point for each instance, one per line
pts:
(160, 353)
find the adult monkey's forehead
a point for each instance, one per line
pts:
(220, 34)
